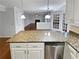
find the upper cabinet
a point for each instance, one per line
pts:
(72, 15)
(76, 12)
(72, 12)
(69, 11)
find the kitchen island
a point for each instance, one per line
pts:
(37, 39)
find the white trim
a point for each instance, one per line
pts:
(5, 36)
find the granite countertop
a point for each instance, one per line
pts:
(38, 36)
(45, 36)
(73, 40)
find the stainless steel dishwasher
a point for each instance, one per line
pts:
(54, 51)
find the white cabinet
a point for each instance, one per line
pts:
(69, 11)
(66, 52)
(19, 54)
(77, 55)
(18, 50)
(36, 53)
(72, 12)
(27, 50)
(35, 50)
(76, 12)
(69, 52)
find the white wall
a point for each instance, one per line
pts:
(9, 24)
(19, 22)
(2, 8)
(31, 19)
(7, 20)
(0, 24)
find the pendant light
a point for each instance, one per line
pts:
(48, 13)
(22, 16)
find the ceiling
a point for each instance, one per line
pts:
(35, 5)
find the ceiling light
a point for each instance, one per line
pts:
(48, 12)
(23, 17)
(47, 16)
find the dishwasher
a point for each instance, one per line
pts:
(54, 50)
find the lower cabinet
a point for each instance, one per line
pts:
(78, 56)
(27, 50)
(66, 52)
(36, 53)
(18, 54)
(69, 52)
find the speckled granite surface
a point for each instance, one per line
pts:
(73, 40)
(38, 36)
(45, 36)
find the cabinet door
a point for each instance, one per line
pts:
(73, 52)
(76, 12)
(67, 54)
(19, 54)
(70, 11)
(35, 54)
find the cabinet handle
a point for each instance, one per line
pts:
(35, 46)
(18, 46)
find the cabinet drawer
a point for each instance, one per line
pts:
(35, 45)
(18, 45)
